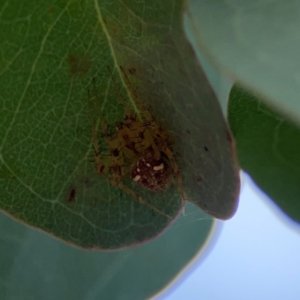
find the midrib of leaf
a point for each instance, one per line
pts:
(100, 19)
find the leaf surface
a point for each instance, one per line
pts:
(54, 59)
(268, 147)
(36, 266)
(256, 42)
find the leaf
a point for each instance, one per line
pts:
(53, 59)
(255, 42)
(268, 147)
(36, 266)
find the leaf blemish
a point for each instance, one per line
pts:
(140, 149)
(199, 179)
(72, 195)
(132, 71)
(79, 65)
(228, 136)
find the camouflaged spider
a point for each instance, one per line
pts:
(139, 149)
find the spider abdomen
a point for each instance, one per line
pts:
(151, 173)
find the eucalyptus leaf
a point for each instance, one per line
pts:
(268, 147)
(36, 266)
(54, 59)
(255, 42)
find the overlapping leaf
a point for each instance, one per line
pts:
(256, 42)
(64, 272)
(268, 148)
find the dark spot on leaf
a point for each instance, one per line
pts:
(117, 169)
(125, 137)
(79, 65)
(101, 169)
(72, 195)
(115, 30)
(199, 179)
(115, 152)
(132, 71)
(131, 146)
(228, 136)
(188, 132)
(141, 135)
(151, 177)
(205, 148)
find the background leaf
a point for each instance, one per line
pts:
(36, 266)
(52, 56)
(255, 42)
(268, 147)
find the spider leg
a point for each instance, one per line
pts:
(153, 145)
(147, 142)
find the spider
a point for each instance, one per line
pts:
(140, 149)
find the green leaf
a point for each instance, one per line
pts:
(54, 59)
(268, 147)
(256, 42)
(36, 266)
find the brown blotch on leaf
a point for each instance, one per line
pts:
(150, 173)
(72, 195)
(228, 136)
(79, 65)
(199, 179)
(132, 71)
